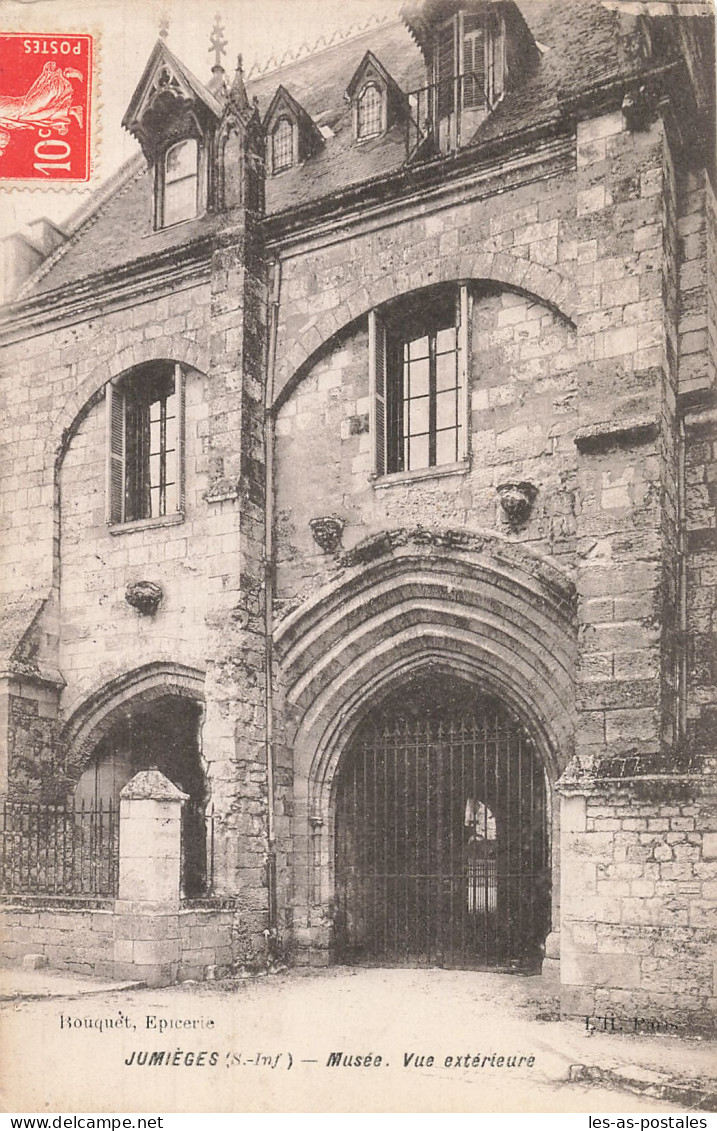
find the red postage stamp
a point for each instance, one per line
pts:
(45, 101)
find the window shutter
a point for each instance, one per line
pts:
(115, 453)
(179, 392)
(446, 71)
(496, 83)
(377, 390)
(465, 350)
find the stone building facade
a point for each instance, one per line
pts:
(359, 474)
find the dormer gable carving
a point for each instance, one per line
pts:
(170, 104)
(377, 101)
(292, 135)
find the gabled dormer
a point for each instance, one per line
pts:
(476, 51)
(291, 134)
(175, 118)
(377, 100)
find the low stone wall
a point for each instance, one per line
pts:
(161, 945)
(117, 939)
(76, 935)
(639, 904)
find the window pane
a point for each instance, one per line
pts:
(418, 348)
(419, 416)
(171, 498)
(369, 112)
(155, 432)
(447, 446)
(154, 503)
(446, 410)
(446, 371)
(425, 384)
(418, 374)
(446, 340)
(418, 452)
(154, 470)
(181, 161)
(180, 200)
(282, 142)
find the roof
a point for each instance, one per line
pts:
(580, 48)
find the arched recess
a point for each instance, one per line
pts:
(135, 723)
(88, 392)
(472, 606)
(540, 283)
(98, 713)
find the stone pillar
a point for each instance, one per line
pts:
(234, 732)
(147, 942)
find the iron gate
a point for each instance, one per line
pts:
(441, 836)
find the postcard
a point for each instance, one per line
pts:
(357, 695)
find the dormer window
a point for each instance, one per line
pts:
(474, 57)
(469, 73)
(377, 102)
(369, 115)
(292, 134)
(179, 189)
(282, 146)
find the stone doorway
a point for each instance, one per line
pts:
(441, 834)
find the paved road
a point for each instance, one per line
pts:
(267, 1044)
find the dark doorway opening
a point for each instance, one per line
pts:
(163, 735)
(441, 848)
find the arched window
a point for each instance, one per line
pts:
(145, 437)
(282, 146)
(180, 184)
(370, 112)
(419, 366)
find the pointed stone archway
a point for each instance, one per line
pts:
(463, 606)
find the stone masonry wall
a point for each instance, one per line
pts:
(627, 469)
(639, 918)
(96, 941)
(609, 232)
(72, 938)
(698, 373)
(56, 374)
(100, 631)
(701, 580)
(210, 565)
(523, 390)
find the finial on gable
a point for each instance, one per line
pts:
(164, 26)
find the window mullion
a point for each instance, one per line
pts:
(432, 400)
(163, 456)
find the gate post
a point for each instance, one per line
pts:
(147, 942)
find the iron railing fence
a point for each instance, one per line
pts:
(444, 115)
(59, 850)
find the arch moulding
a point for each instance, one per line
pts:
(471, 605)
(489, 610)
(544, 284)
(98, 713)
(73, 409)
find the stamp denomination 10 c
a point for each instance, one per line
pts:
(45, 103)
